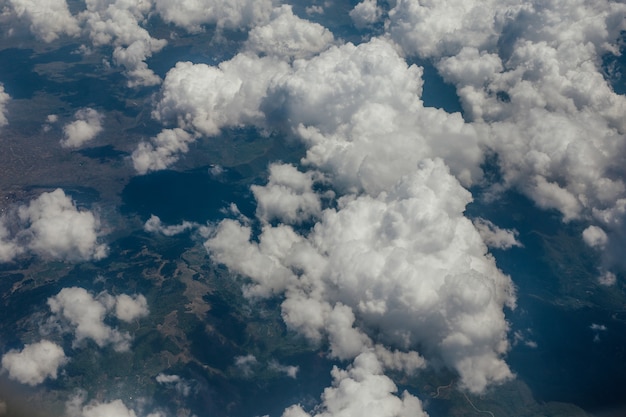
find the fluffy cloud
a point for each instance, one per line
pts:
(119, 24)
(595, 237)
(48, 20)
(444, 27)
(51, 226)
(288, 36)
(129, 308)
(34, 363)
(362, 390)
(366, 13)
(111, 409)
(4, 99)
(86, 313)
(85, 127)
(203, 98)
(225, 14)
(288, 196)
(495, 237)
(384, 263)
(343, 102)
(162, 151)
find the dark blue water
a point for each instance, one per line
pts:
(177, 196)
(568, 365)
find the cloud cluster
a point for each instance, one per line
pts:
(362, 390)
(86, 126)
(86, 314)
(405, 270)
(51, 226)
(162, 151)
(288, 36)
(119, 24)
(224, 14)
(34, 363)
(77, 406)
(288, 196)
(47, 20)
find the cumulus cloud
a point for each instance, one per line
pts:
(51, 226)
(362, 390)
(129, 308)
(288, 196)
(595, 237)
(162, 151)
(119, 24)
(495, 237)
(288, 36)
(342, 102)
(4, 99)
(48, 20)
(532, 74)
(203, 98)
(86, 126)
(225, 14)
(86, 313)
(366, 13)
(34, 363)
(383, 263)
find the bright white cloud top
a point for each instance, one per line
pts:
(34, 363)
(86, 126)
(86, 314)
(365, 241)
(51, 226)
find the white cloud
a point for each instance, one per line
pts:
(245, 364)
(225, 14)
(366, 13)
(35, 362)
(86, 126)
(288, 196)
(86, 313)
(129, 308)
(119, 24)
(48, 20)
(407, 263)
(495, 237)
(162, 151)
(532, 75)
(288, 36)
(595, 237)
(154, 225)
(51, 226)
(9, 248)
(176, 381)
(444, 27)
(4, 99)
(362, 390)
(58, 230)
(110, 409)
(289, 370)
(202, 98)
